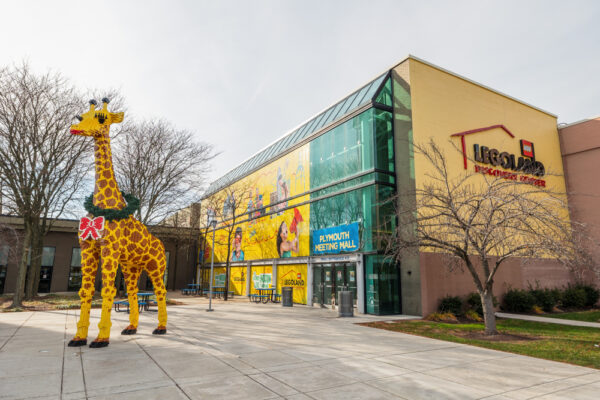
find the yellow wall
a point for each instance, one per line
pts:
(259, 235)
(295, 276)
(444, 104)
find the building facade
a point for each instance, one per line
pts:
(61, 257)
(309, 210)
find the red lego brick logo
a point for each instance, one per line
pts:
(527, 149)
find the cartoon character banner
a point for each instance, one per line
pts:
(274, 222)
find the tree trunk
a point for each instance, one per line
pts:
(22, 269)
(37, 248)
(174, 272)
(489, 316)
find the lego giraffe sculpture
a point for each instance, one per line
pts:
(112, 234)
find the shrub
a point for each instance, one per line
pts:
(474, 302)
(591, 295)
(574, 297)
(441, 317)
(545, 298)
(451, 304)
(473, 316)
(517, 300)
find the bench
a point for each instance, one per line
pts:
(118, 304)
(189, 291)
(257, 298)
(276, 298)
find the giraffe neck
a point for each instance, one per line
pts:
(106, 192)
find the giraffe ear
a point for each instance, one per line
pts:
(115, 118)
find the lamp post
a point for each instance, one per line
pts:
(213, 223)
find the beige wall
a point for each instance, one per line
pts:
(580, 145)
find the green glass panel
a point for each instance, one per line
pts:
(343, 151)
(382, 286)
(384, 139)
(385, 94)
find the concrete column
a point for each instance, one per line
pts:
(248, 277)
(360, 285)
(309, 283)
(274, 276)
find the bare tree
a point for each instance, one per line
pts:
(233, 201)
(163, 166)
(481, 221)
(42, 167)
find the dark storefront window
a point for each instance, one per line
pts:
(75, 270)
(3, 266)
(45, 269)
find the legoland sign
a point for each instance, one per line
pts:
(524, 168)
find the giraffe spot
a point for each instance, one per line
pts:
(136, 236)
(113, 274)
(111, 202)
(131, 247)
(87, 285)
(151, 265)
(112, 184)
(100, 197)
(108, 192)
(105, 252)
(146, 258)
(126, 231)
(84, 245)
(87, 270)
(101, 183)
(112, 225)
(144, 243)
(106, 174)
(107, 165)
(153, 252)
(104, 276)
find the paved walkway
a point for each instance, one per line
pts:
(254, 351)
(559, 321)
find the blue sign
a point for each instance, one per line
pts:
(335, 239)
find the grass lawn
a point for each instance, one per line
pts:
(589, 315)
(571, 344)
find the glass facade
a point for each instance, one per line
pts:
(341, 181)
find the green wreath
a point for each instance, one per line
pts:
(133, 203)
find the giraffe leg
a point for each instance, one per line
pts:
(90, 255)
(132, 274)
(109, 271)
(156, 270)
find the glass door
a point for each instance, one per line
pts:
(317, 285)
(328, 283)
(350, 275)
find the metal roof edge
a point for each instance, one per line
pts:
(410, 56)
(563, 125)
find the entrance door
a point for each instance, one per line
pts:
(329, 279)
(45, 279)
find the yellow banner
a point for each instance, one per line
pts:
(275, 224)
(237, 280)
(294, 276)
(262, 277)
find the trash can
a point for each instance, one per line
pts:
(287, 296)
(345, 304)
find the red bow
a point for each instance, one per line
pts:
(91, 227)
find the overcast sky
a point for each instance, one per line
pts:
(240, 74)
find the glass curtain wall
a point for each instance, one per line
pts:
(75, 271)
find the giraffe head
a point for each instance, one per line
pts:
(96, 122)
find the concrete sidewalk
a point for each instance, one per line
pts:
(558, 321)
(244, 350)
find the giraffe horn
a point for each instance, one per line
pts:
(93, 104)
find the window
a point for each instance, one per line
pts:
(45, 269)
(75, 271)
(3, 266)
